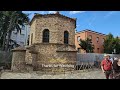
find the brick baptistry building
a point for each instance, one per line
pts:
(52, 39)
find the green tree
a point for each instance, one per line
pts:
(4, 23)
(108, 44)
(111, 43)
(116, 45)
(87, 45)
(10, 20)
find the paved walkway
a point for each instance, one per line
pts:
(96, 74)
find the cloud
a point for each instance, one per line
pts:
(78, 25)
(42, 12)
(31, 13)
(52, 12)
(27, 12)
(76, 12)
(109, 14)
(91, 21)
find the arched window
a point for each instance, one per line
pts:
(46, 35)
(66, 37)
(78, 38)
(90, 37)
(97, 39)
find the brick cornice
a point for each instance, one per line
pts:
(52, 15)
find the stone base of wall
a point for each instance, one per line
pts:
(49, 54)
(29, 68)
(55, 69)
(18, 60)
(41, 56)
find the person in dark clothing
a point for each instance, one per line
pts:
(116, 69)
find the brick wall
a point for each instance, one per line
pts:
(56, 26)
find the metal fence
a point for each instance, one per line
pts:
(87, 61)
(91, 57)
(91, 60)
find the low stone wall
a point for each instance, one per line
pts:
(18, 60)
(37, 57)
(48, 54)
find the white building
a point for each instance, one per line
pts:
(21, 39)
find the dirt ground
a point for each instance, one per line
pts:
(95, 74)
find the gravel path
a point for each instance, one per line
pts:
(96, 74)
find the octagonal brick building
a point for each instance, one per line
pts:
(52, 39)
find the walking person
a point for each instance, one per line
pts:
(116, 68)
(106, 66)
(112, 59)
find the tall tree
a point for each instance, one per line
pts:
(11, 20)
(4, 22)
(111, 44)
(87, 45)
(108, 44)
(116, 45)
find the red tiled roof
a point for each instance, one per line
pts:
(87, 30)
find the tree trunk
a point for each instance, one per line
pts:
(10, 28)
(9, 35)
(4, 40)
(7, 41)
